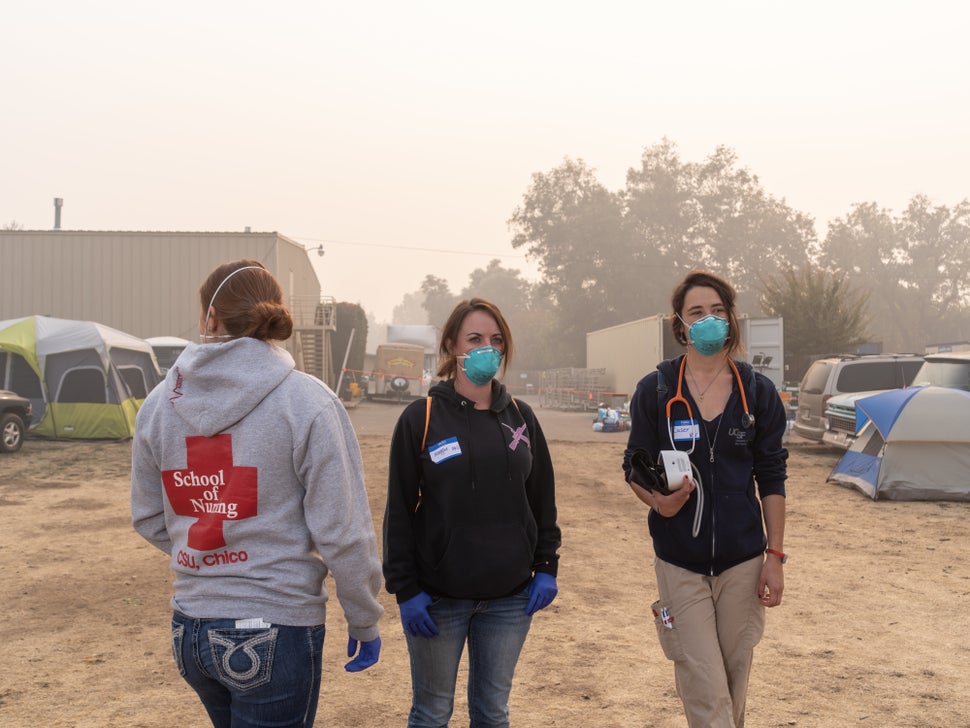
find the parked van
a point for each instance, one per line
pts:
(846, 374)
(945, 370)
(941, 370)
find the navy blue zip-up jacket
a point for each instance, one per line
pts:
(473, 514)
(732, 529)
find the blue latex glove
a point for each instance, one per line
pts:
(542, 590)
(415, 617)
(369, 654)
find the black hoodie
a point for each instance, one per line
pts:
(473, 514)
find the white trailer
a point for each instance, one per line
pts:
(405, 365)
(398, 373)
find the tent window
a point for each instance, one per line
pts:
(126, 359)
(166, 355)
(134, 379)
(23, 380)
(82, 385)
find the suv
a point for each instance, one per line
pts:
(14, 420)
(945, 370)
(941, 370)
(848, 374)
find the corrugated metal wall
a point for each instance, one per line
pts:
(143, 283)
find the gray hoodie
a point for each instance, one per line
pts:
(248, 474)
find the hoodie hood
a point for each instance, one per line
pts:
(446, 388)
(670, 368)
(213, 386)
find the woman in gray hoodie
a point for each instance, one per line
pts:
(247, 473)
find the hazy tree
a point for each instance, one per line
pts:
(438, 299)
(916, 266)
(410, 311)
(563, 221)
(573, 227)
(937, 239)
(713, 215)
(376, 331)
(504, 287)
(350, 317)
(822, 313)
(532, 328)
(607, 258)
(541, 338)
(12, 225)
(659, 211)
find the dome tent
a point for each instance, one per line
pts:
(167, 350)
(914, 444)
(85, 380)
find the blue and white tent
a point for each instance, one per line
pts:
(913, 444)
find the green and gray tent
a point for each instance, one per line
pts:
(85, 380)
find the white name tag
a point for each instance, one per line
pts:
(444, 450)
(686, 430)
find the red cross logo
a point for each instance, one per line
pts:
(212, 489)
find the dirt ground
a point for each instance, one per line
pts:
(873, 629)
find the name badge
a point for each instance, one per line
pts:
(444, 450)
(686, 431)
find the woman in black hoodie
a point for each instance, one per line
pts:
(470, 534)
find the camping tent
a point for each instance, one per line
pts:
(167, 350)
(85, 380)
(913, 444)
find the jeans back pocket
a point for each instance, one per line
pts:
(178, 635)
(243, 658)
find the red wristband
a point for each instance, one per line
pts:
(780, 554)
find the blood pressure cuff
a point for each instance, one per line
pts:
(647, 473)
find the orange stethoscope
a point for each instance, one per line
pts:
(747, 419)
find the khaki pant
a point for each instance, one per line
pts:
(708, 626)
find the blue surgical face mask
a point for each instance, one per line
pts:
(708, 334)
(481, 364)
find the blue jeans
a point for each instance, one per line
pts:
(495, 631)
(250, 677)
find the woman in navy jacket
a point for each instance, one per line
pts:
(718, 535)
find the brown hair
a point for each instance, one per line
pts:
(727, 295)
(448, 366)
(249, 303)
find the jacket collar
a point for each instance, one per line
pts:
(446, 389)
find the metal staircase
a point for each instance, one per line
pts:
(313, 325)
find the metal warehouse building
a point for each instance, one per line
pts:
(146, 283)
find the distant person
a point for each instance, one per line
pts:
(716, 568)
(248, 474)
(470, 534)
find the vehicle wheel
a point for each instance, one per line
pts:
(11, 432)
